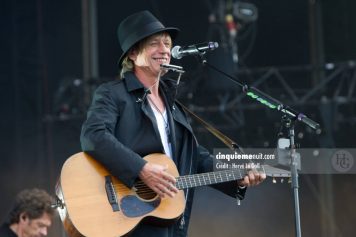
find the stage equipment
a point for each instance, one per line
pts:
(289, 118)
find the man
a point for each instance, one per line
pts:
(137, 115)
(31, 215)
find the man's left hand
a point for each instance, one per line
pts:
(253, 178)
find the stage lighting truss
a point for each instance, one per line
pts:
(331, 100)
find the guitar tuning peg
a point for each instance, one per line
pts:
(282, 180)
(274, 180)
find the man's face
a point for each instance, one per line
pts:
(35, 227)
(155, 51)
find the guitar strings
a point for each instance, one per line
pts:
(194, 180)
(220, 176)
(187, 181)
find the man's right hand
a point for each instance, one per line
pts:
(156, 178)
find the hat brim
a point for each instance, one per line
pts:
(172, 31)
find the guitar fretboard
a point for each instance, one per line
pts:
(196, 180)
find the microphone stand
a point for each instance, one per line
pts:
(294, 175)
(290, 117)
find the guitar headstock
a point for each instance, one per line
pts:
(276, 173)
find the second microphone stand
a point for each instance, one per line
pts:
(291, 117)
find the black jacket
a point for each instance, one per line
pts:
(121, 129)
(5, 231)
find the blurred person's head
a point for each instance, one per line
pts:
(32, 213)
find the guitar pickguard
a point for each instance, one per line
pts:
(132, 206)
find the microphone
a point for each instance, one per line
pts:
(178, 52)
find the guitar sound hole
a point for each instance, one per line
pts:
(144, 192)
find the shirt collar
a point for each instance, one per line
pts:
(132, 82)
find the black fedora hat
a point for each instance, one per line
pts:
(139, 26)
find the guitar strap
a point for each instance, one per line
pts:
(240, 193)
(222, 137)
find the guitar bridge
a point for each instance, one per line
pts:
(111, 194)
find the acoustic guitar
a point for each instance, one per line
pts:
(91, 202)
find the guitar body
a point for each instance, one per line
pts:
(93, 203)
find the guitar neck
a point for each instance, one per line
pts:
(196, 180)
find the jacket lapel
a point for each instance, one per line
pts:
(169, 87)
(135, 87)
(172, 134)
